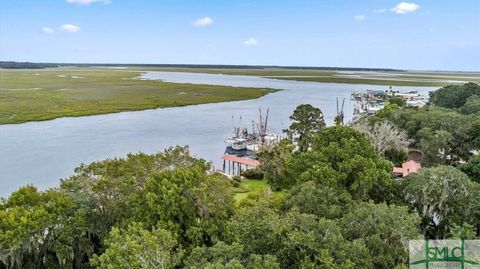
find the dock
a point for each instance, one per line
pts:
(237, 164)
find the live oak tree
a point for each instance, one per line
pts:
(297, 240)
(347, 157)
(472, 105)
(43, 230)
(385, 231)
(65, 227)
(442, 196)
(454, 96)
(136, 247)
(186, 201)
(306, 122)
(472, 168)
(222, 255)
(322, 200)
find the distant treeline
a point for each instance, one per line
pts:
(27, 65)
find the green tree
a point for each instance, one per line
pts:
(472, 105)
(472, 168)
(442, 196)
(42, 230)
(272, 163)
(473, 131)
(306, 122)
(105, 189)
(399, 101)
(465, 232)
(386, 111)
(297, 240)
(352, 155)
(136, 247)
(444, 135)
(454, 96)
(321, 200)
(186, 201)
(385, 231)
(222, 255)
(435, 146)
(345, 155)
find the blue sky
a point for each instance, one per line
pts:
(416, 34)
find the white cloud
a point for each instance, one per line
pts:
(405, 7)
(71, 28)
(205, 21)
(461, 43)
(87, 2)
(47, 30)
(250, 42)
(360, 17)
(379, 10)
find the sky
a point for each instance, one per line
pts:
(414, 35)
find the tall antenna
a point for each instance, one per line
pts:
(339, 117)
(266, 121)
(337, 105)
(241, 125)
(260, 115)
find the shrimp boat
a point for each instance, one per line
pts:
(241, 146)
(250, 141)
(239, 139)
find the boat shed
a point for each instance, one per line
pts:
(237, 164)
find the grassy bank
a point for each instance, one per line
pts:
(249, 186)
(34, 95)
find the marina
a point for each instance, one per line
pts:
(368, 102)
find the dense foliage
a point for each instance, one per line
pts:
(445, 135)
(25, 65)
(332, 204)
(454, 96)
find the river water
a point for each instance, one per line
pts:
(41, 153)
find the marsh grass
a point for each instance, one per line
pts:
(34, 95)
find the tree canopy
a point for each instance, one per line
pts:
(454, 96)
(443, 196)
(331, 201)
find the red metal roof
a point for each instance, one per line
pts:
(246, 161)
(407, 168)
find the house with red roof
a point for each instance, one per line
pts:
(407, 168)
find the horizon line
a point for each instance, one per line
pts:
(240, 66)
